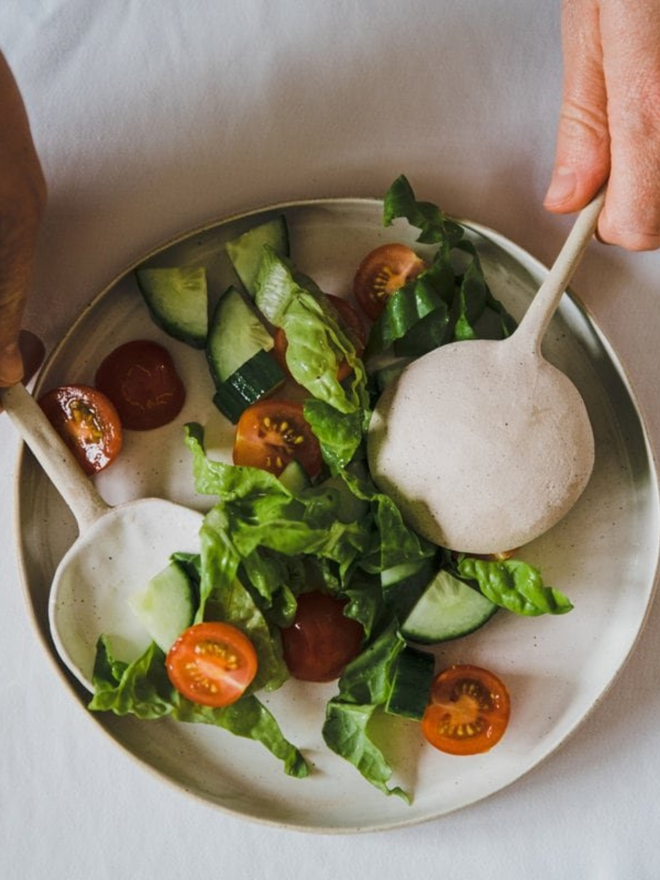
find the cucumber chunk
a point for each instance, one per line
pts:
(404, 584)
(235, 336)
(177, 299)
(447, 609)
(295, 478)
(411, 685)
(166, 605)
(245, 251)
(257, 378)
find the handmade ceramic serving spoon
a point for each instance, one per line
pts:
(117, 551)
(484, 444)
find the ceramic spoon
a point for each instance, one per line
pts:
(484, 444)
(117, 551)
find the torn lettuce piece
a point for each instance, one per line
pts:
(142, 688)
(435, 227)
(345, 732)
(364, 687)
(514, 585)
(316, 345)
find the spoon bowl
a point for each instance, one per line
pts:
(484, 444)
(118, 549)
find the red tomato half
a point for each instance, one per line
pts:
(321, 640)
(350, 322)
(212, 663)
(469, 711)
(271, 433)
(141, 380)
(381, 273)
(87, 422)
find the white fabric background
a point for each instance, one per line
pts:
(152, 118)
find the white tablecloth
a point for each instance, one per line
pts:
(152, 118)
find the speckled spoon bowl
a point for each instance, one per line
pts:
(484, 444)
(117, 551)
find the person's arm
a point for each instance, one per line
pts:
(22, 200)
(609, 127)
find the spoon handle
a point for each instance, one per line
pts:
(535, 322)
(53, 455)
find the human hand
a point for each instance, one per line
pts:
(22, 200)
(609, 127)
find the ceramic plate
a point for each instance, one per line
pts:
(603, 555)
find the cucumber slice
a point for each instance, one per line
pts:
(411, 685)
(177, 299)
(166, 605)
(235, 336)
(404, 584)
(257, 378)
(391, 576)
(295, 477)
(245, 251)
(447, 609)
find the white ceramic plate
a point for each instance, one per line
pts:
(603, 555)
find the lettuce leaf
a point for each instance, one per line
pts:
(316, 344)
(364, 687)
(514, 585)
(435, 227)
(142, 688)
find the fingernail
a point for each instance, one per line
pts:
(11, 365)
(562, 186)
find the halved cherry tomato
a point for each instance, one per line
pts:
(87, 422)
(321, 640)
(212, 663)
(350, 322)
(468, 712)
(271, 433)
(141, 380)
(381, 273)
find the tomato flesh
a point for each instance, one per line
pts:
(141, 380)
(88, 423)
(350, 322)
(381, 273)
(322, 640)
(271, 433)
(468, 712)
(212, 663)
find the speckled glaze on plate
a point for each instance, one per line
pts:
(604, 554)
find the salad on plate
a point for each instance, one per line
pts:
(305, 569)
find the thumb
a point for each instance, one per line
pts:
(582, 158)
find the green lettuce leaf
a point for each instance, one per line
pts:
(345, 732)
(514, 585)
(142, 688)
(316, 344)
(339, 434)
(363, 688)
(435, 227)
